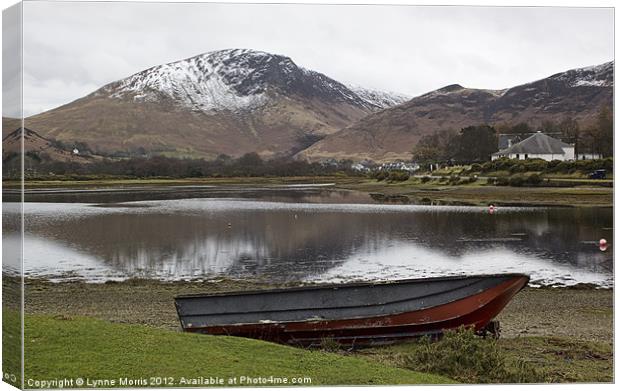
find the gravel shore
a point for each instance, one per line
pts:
(581, 313)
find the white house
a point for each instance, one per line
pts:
(538, 146)
(588, 156)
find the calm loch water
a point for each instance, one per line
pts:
(306, 234)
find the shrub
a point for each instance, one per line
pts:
(534, 179)
(475, 167)
(466, 357)
(517, 180)
(467, 180)
(425, 179)
(380, 175)
(553, 164)
(502, 181)
(518, 167)
(330, 345)
(454, 179)
(398, 175)
(502, 164)
(536, 164)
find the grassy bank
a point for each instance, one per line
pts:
(413, 190)
(566, 333)
(416, 190)
(78, 347)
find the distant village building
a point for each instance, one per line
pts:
(405, 166)
(360, 167)
(368, 165)
(76, 151)
(538, 146)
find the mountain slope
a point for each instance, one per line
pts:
(391, 134)
(39, 146)
(229, 101)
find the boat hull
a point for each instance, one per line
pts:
(434, 305)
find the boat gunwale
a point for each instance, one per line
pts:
(383, 303)
(345, 285)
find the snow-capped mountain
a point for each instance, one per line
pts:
(390, 134)
(227, 101)
(238, 80)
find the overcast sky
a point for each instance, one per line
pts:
(71, 49)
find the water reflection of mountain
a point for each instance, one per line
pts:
(301, 240)
(288, 193)
(271, 244)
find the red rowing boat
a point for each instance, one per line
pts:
(352, 314)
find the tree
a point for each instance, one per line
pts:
(520, 128)
(570, 132)
(432, 148)
(605, 134)
(548, 126)
(474, 144)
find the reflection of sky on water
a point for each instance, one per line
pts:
(279, 241)
(405, 261)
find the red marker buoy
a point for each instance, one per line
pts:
(602, 245)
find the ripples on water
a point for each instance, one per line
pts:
(298, 239)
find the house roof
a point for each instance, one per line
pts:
(538, 143)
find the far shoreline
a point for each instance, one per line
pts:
(412, 191)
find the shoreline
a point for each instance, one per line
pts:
(582, 312)
(412, 191)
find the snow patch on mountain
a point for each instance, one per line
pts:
(206, 82)
(239, 80)
(593, 76)
(381, 99)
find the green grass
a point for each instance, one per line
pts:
(87, 348)
(11, 346)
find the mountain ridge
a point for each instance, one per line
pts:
(392, 133)
(230, 101)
